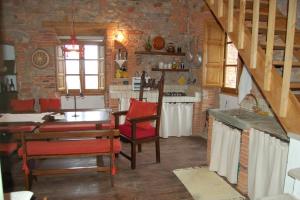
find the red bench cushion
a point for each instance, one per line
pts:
(70, 147)
(141, 109)
(8, 148)
(18, 128)
(140, 132)
(67, 127)
(50, 105)
(22, 105)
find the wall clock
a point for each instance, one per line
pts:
(40, 58)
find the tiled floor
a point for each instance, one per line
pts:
(148, 181)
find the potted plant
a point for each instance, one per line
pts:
(148, 45)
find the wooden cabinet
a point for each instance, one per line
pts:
(213, 55)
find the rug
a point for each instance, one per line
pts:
(203, 184)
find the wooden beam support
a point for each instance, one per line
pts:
(270, 44)
(230, 16)
(254, 38)
(241, 33)
(288, 58)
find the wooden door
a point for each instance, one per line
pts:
(213, 55)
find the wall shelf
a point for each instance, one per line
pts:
(159, 53)
(170, 70)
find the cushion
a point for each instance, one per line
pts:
(49, 105)
(141, 109)
(67, 127)
(21, 128)
(125, 129)
(70, 147)
(22, 105)
(8, 148)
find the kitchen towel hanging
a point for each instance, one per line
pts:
(245, 84)
(225, 151)
(266, 165)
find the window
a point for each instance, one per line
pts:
(81, 73)
(231, 68)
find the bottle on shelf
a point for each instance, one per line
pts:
(11, 86)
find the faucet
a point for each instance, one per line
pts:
(256, 107)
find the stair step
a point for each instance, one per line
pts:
(263, 15)
(264, 27)
(263, 4)
(298, 96)
(280, 46)
(295, 85)
(281, 63)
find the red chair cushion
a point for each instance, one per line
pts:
(125, 129)
(22, 105)
(50, 105)
(18, 128)
(141, 109)
(8, 148)
(67, 127)
(70, 147)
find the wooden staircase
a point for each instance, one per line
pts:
(246, 22)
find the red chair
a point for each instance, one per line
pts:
(138, 127)
(22, 106)
(50, 105)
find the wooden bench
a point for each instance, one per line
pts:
(46, 145)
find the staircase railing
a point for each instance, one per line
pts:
(275, 88)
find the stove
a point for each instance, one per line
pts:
(174, 94)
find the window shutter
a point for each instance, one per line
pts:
(213, 55)
(60, 70)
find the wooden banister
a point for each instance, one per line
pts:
(241, 34)
(254, 39)
(288, 58)
(230, 15)
(270, 44)
(220, 8)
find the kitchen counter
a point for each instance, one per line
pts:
(243, 119)
(118, 92)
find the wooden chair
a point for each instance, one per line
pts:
(132, 132)
(47, 145)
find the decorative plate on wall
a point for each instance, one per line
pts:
(40, 58)
(158, 43)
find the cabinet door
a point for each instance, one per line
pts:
(213, 55)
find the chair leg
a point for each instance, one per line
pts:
(157, 148)
(139, 147)
(133, 155)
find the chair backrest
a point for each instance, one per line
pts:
(153, 85)
(22, 106)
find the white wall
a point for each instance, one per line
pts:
(228, 102)
(293, 162)
(86, 102)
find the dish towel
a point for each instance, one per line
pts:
(245, 84)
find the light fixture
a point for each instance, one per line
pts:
(72, 45)
(119, 35)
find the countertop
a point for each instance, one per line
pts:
(117, 92)
(243, 119)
